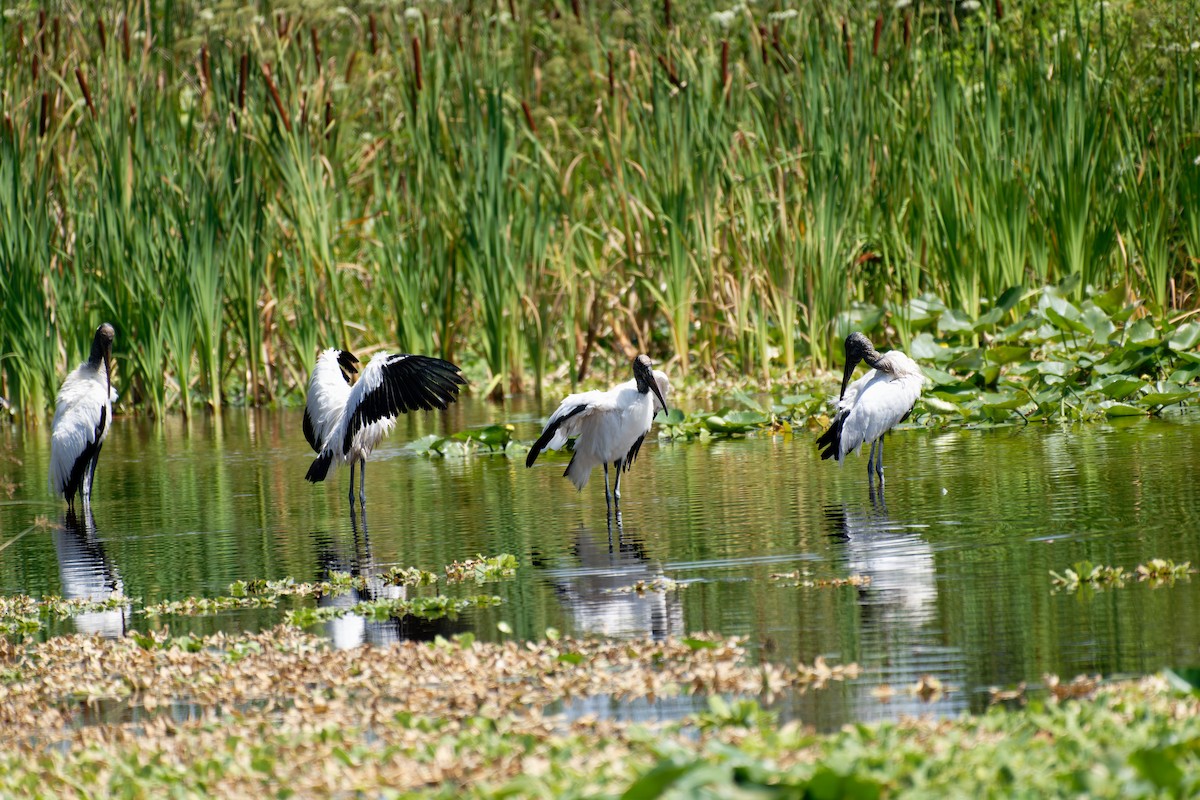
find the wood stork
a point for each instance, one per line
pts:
(873, 404)
(343, 423)
(82, 417)
(610, 426)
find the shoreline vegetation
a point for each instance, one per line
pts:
(537, 191)
(279, 713)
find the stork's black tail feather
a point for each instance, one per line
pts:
(830, 442)
(320, 467)
(548, 434)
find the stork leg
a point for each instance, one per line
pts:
(607, 499)
(351, 483)
(362, 483)
(879, 460)
(88, 477)
(871, 462)
(617, 489)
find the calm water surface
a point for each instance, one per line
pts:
(958, 548)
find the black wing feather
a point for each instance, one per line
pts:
(633, 453)
(830, 441)
(90, 452)
(548, 434)
(348, 362)
(409, 383)
(310, 433)
(319, 469)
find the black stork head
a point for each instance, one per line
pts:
(858, 348)
(102, 348)
(348, 363)
(643, 373)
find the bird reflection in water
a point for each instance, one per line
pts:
(87, 574)
(351, 630)
(606, 564)
(900, 641)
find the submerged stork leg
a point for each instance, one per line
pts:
(618, 464)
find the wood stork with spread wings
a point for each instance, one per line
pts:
(873, 404)
(343, 423)
(610, 426)
(82, 417)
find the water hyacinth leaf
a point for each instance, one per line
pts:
(925, 348)
(1143, 333)
(1009, 298)
(1099, 323)
(1114, 409)
(960, 396)
(674, 417)
(941, 377)
(862, 317)
(1186, 375)
(1007, 354)
(1117, 387)
(953, 321)
(1059, 368)
(746, 419)
(1167, 398)
(988, 320)
(970, 361)
(1122, 316)
(924, 309)
(999, 402)
(426, 445)
(1014, 331)
(1185, 337)
(491, 436)
(940, 406)
(1113, 299)
(1064, 323)
(716, 423)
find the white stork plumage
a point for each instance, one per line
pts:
(82, 418)
(873, 404)
(343, 423)
(610, 426)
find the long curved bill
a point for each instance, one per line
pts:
(851, 363)
(658, 394)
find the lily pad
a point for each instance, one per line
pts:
(1185, 337)
(1119, 386)
(1007, 353)
(1113, 409)
(1143, 333)
(1167, 398)
(953, 321)
(1062, 322)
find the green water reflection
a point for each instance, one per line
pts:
(958, 548)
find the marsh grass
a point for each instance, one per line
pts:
(549, 193)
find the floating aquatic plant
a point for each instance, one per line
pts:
(482, 569)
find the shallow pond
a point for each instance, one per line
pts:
(958, 549)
